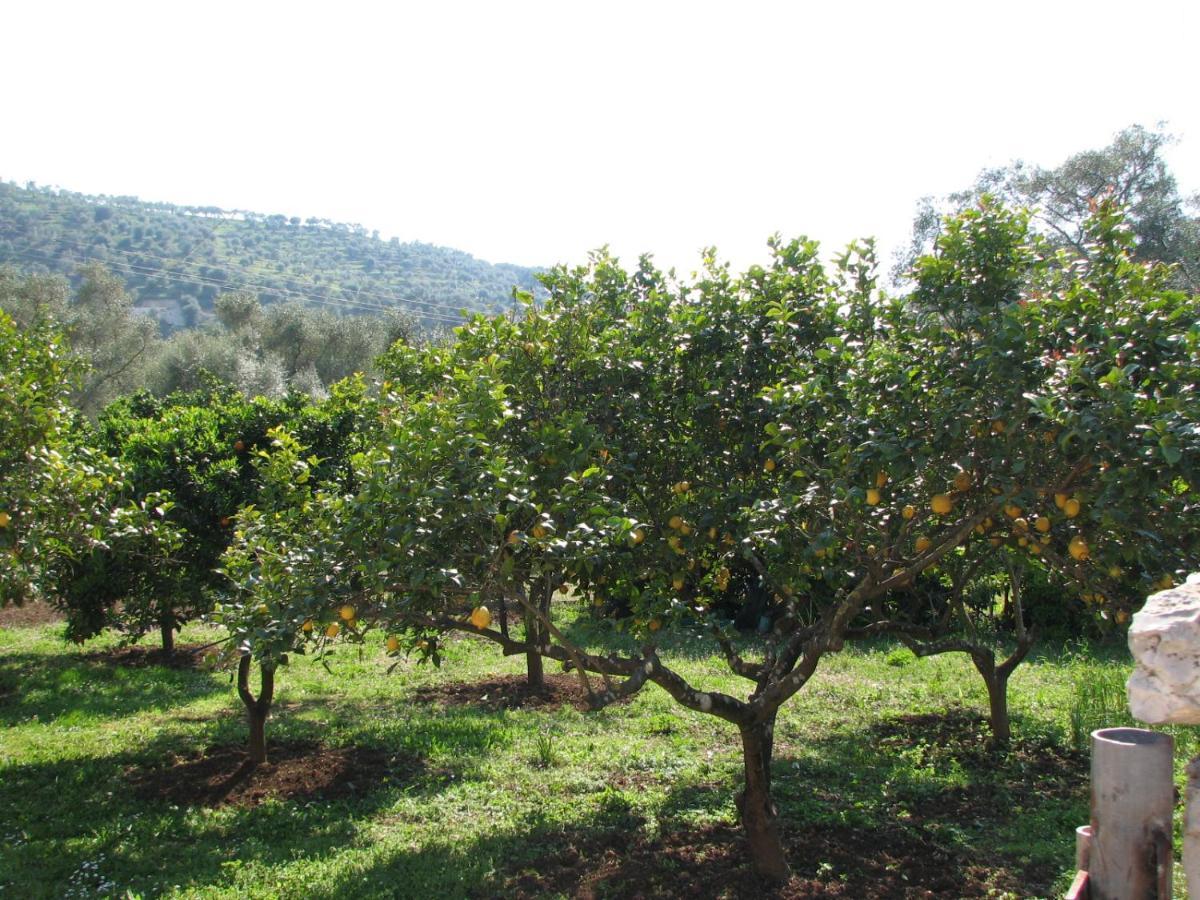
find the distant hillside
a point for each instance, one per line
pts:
(175, 260)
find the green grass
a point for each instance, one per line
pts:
(499, 790)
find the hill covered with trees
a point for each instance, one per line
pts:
(176, 260)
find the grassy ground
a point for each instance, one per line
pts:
(881, 776)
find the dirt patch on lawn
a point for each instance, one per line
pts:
(29, 615)
(826, 860)
(512, 692)
(185, 656)
(223, 776)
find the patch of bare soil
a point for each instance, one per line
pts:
(827, 861)
(185, 656)
(223, 776)
(505, 692)
(29, 615)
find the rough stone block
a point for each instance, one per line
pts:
(1165, 641)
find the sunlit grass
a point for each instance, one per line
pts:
(497, 787)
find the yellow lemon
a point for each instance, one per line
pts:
(769, 465)
(1060, 500)
(922, 544)
(909, 511)
(1078, 548)
(393, 644)
(962, 481)
(346, 612)
(481, 617)
(881, 478)
(1071, 508)
(333, 630)
(873, 497)
(1042, 524)
(941, 504)
(637, 536)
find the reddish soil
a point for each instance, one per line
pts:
(223, 776)
(186, 656)
(29, 615)
(512, 692)
(827, 861)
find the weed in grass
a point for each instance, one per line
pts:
(546, 757)
(900, 657)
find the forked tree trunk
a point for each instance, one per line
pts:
(996, 678)
(166, 627)
(758, 814)
(257, 709)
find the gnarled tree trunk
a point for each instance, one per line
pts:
(257, 709)
(758, 814)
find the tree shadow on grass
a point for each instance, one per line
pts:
(935, 776)
(611, 851)
(149, 835)
(49, 687)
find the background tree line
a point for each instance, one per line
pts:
(177, 260)
(266, 351)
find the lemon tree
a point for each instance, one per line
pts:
(659, 443)
(1059, 402)
(199, 448)
(62, 501)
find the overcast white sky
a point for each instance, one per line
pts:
(532, 132)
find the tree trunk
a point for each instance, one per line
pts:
(257, 709)
(533, 659)
(759, 818)
(535, 633)
(997, 688)
(504, 616)
(166, 627)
